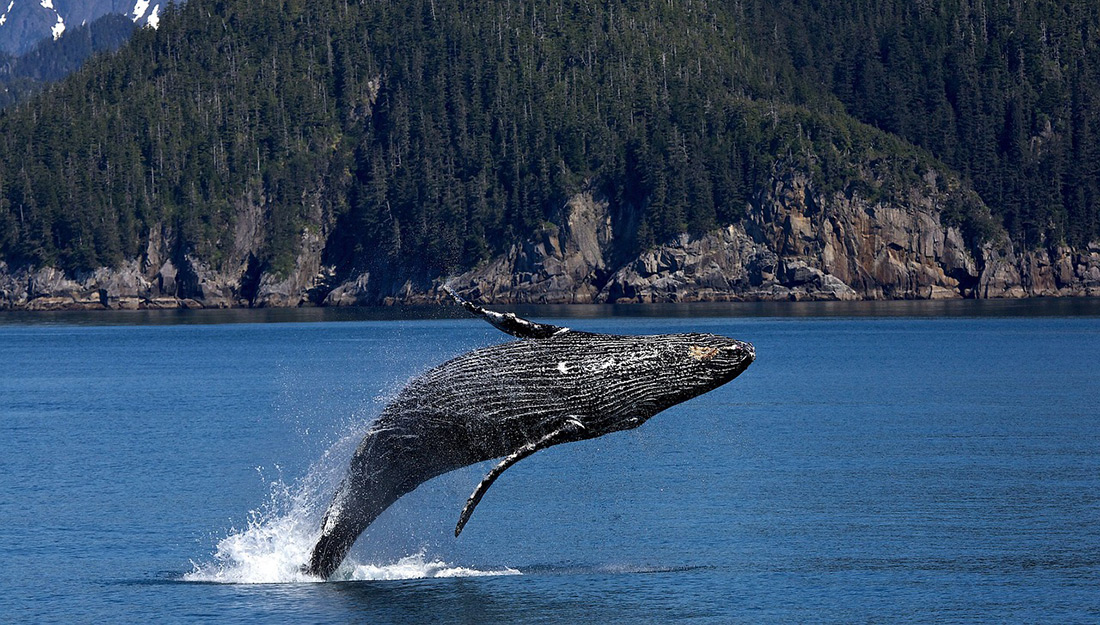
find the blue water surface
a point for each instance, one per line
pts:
(865, 469)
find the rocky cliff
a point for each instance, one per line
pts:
(795, 244)
(872, 240)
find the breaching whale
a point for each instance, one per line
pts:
(555, 385)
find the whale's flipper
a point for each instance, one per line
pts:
(509, 322)
(563, 434)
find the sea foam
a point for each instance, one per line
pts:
(279, 537)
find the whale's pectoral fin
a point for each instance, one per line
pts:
(508, 322)
(563, 434)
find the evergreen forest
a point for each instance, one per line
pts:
(432, 133)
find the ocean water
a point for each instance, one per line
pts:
(899, 463)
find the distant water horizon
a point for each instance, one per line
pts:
(1024, 307)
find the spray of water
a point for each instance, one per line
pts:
(279, 537)
(271, 549)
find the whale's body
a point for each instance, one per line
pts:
(510, 400)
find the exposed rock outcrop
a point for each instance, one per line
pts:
(166, 278)
(297, 288)
(883, 249)
(797, 244)
(355, 292)
(561, 264)
(794, 243)
(1058, 272)
(720, 266)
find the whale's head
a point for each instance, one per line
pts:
(644, 375)
(697, 363)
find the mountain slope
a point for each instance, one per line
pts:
(1006, 93)
(53, 59)
(281, 152)
(26, 23)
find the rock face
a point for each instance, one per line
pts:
(726, 265)
(1059, 272)
(165, 278)
(561, 264)
(794, 243)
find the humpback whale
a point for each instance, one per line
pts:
(554, 385)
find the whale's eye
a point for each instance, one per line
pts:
(699, 352)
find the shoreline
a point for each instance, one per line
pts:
(870, 309)
(100, 300)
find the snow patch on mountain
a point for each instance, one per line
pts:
(34, 21)
(57, 28)
(140, 8)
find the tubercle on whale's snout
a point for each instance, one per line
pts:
(739, 350)
(741, 355)
(749, 349)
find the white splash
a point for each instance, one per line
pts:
(281, 535)
(154, 17)
(47, 4)
(273, 549)
(140, 8)
(270, 550)
(415, 566)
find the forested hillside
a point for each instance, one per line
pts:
(1007, 93)
(420, 138)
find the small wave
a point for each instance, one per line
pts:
(416, 566)
(279, 568)
(608, 569)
